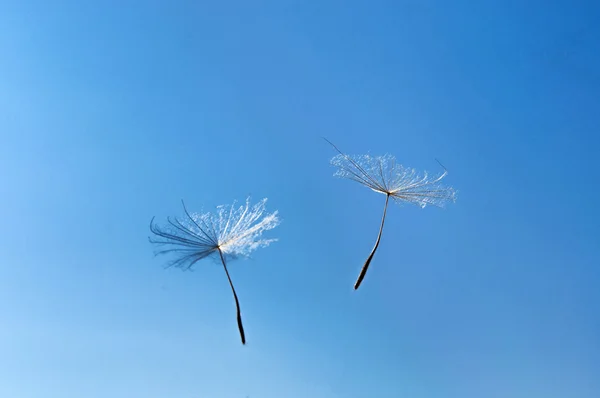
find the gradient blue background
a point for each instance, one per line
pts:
(113, 111)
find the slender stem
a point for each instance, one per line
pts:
(363, 271)
(237, 303)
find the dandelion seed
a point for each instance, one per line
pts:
(226, 235)
(382, 174)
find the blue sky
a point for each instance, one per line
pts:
(111, 112)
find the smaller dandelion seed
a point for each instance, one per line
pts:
(229, 233)
(384, 175)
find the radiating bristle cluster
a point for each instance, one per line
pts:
(383, 174)
(235, 231)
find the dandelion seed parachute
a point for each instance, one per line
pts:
(225, 235)
(384, 175)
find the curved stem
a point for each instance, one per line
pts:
(363, 271)
(237, 303)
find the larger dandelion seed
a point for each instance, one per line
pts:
(382, 174)
(226, 235)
